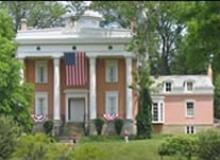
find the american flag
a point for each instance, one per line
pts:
(76, 65)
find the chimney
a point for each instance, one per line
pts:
(23, 24)
(210, 72)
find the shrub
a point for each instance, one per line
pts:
(9, 133)
(99, 125)
(88, 152)
(118, 125)
(185, 146)
(32, 147)
(48, 127)
(209, 145)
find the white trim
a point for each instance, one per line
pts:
(21, 60)
(185, 85)
(111, 63)
(76, 91)
(74, 94)
(159, 102)
(194, 108)
(41, 95)
(56, 89)
(164, 86)
(104, 53)
(194, 129)
(92, 88)
(129, 98)
(44, 64)
(116, 95)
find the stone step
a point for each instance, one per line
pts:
(72, 129)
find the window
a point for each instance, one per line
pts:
(41, 103)
(168, 86)
(111, 71)
(189, 86)
(190, 130)
(189, 109)
(112, 103)
(41, 72)
(158, 112)
(155, 112)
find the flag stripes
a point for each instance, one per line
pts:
(76, 66)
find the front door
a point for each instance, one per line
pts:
(76, 109)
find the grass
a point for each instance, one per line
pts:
(116, 149)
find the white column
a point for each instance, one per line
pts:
(22, 70)
(92, 86)
(56, 91)
(129, 113)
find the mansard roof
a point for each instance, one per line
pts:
(201, 84)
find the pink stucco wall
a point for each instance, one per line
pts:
(175, 109)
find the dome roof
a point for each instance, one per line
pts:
(90, 13)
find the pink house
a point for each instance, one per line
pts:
(183, 104)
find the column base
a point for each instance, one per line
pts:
(130, 127)
(56, 127)
(91, 128)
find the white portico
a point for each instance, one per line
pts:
(84, 35)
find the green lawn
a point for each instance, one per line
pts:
(134, 150)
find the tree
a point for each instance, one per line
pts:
(15, 98)
(164, 28)
(39, 14)
(217, 96)
(144, 115)
(9, 133)
(77, 8)
(143, 42)
(201, 40)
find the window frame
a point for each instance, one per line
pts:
(110, 94)
(160, 110)
(165, 86)
(110, 63)
(186, 85)
(190, 129)
(39, 95)
(39, 64)
(186, 108)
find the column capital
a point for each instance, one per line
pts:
(56, 60)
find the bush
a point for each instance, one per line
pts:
(9, 133)
(88, 152)
(185, 146)
(118, 125)
(32, 147)
(209, 145)
(99, 125)
(48, 127)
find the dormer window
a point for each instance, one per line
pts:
(168, 86)
(188, 86)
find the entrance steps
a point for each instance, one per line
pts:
(72, 130)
